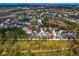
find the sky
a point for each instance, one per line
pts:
(39, 1)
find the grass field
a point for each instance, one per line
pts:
(40, 48)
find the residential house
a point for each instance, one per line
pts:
(59, 34)
(28, 31)
(41, 33)
(39, 23)
(24, 21)
(72, 35)
(54, 34)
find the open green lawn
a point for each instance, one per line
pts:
(40, 48)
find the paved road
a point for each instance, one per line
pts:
(45, 50)
(47, 39)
